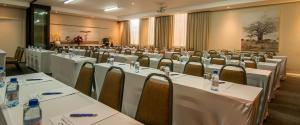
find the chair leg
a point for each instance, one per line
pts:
(18, 67)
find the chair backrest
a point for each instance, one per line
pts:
(177, 50)
(127, 52)
(233, 73)
(87, 53)
(194, 68)
(20, 54)
(85, 81)
(198, 53)
(236, 57)
(195, 59)
(95, 54)
(112, 88)
(156, 102)
(250, 64)
(176, 56)
(144, 61)
(218, 61)
(17, 53)
(104, 57)
(165, 62)
(138, 53)
(212, 52)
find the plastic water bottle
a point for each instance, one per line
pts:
(32, 113)
(12, 93)
(2, 77)
(137, 67)
(215, 81)
(167, 71)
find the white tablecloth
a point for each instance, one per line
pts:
(193, 101)
(78, 51)
(154, 55)
(283, 66)
(124, 58)
(38, 60)
(2, 58)
(66, 69)
(59, 105)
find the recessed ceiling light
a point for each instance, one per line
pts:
(68, 1)
(228, 7)
(111, 9)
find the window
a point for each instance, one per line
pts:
(151, 31)
(134, 31)
(180, 29)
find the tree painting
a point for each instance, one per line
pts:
(260, 28)
(261, 34)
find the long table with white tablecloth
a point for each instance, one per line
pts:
(39, 60)
(66, 69)
(194, 102)
(57, 108)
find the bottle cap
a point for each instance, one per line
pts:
(33, 103)
(215, 72)
(1, 68)
(13, 80)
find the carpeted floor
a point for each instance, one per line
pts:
(284, 109)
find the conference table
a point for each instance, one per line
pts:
(2, 58)
(194, 102)
(66, 68)
(39, 60)
(56, 109)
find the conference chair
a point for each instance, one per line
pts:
(139, 53)
(218, 61)
(127, 52)
(198, 53)
(195, 59)
(95, 54)
(144, 61)
(176, 56)
(16, 60)
(112, 89)
(194, 68)
(233, 73)
(85, 81)
(250, 64)
(165, 62)
(104, 57)
(156, 102)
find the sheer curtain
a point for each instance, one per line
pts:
(151, 31)
(134, 31)
(180, 30)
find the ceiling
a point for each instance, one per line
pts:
(139, 8)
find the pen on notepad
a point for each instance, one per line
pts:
(51, 93)
(83, 115)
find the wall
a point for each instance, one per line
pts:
(226, 31)
(66, 25)
(12, 29)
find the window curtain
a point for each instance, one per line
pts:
(134, 31)
(198, 30)
(180, 28)
(125, 33)
(163, 32)
(144, 35)
(151, 31)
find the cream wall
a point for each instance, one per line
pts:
(12, 29)
(226, 31)
(67, 25)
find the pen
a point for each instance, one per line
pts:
(33, 79)
(51, 93)
(83, 115)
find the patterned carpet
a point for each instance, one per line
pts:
(284, 109)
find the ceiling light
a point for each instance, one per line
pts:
(68, 1)
(228, 7)
(111, 9)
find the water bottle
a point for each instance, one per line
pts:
(243, 64)
(2, 77)
(32, 113)
(12, 93)
(137, 67)
(167, 71)
(215, 81)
